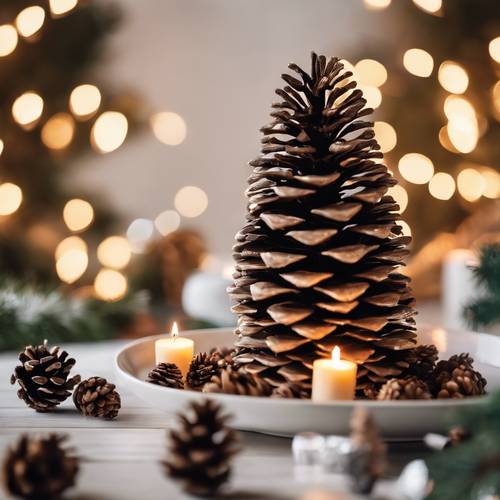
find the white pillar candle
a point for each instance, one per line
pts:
(176, 350)
(333, 379)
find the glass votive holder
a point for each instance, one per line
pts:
(308, 448)
(336, 452)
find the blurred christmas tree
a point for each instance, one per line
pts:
(53, 110)
(436, 83)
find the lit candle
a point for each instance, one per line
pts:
(175, 349)
(333, 379)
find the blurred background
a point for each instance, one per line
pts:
(126, 128)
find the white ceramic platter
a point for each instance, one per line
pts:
(286, 417)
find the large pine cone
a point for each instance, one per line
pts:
(200, 451)
(203, 367)
(39, 468)
(43, 377)
(233, 380)
(406, 388)
(423, 361)
(166, 375)
(95, 397)
(457, 378)
(317, 260)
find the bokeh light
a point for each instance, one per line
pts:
(405, 227)
(370, 72)
(1, 146)
(167, 221)
(11, 197)
(110, 285)
(191, 201)
(169, 128)
(30, 20)
(60, 7)
(400, 196)
(8, 39)
(470, 184)
(431, 6)
(84, 100)
(494, 49)
(78, 214)
(109, 131)
(416, 168)
(377, 4)
(114, 252)
(386, 136)
(139, 233)
(453, 77)
(27, 108)
(418, 62)
(491, 182)
(462, 128)
(71, 265)
(58, 131)
(70, 243)
(495, 95)
(372, 95)
(442, 186)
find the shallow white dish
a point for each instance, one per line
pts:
(286, 417)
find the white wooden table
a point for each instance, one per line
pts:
(120, 458)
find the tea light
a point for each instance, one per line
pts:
(333, 379)
(175, 349)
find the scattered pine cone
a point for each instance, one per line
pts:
(238, 381)
(166, 375)
(289, 390)
(200, 451)
(404, 388)
(43, 377)
(423, 361)
(39, 468)
(456, 378)
(95, 397)
(201, 370)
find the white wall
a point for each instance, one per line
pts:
(216, 63)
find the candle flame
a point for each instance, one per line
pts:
(175, 330)
(336, 354)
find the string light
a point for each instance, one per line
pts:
(167, 222)
(78, 214)
(494, 48)
(30, 20)
(453, 77)
(371, 72)
(8, 39)
(60, 7)
(386, 136)
(400, 196)
(58, 131)
(377, 4)
(84, 100)
(169, 128)
(431, 6)
(109, 131)
(114, 252)
(139, 233)
(416, 168)
(191, 201)
(71, 265)
(27, 109)
(372, 95)
(462, 128)
(70, 243)
(470, 184)
(491, 182)
(110, 285)
(418, 62)
(11, 198)
(442, 186)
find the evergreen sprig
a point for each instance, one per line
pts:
(485, 310)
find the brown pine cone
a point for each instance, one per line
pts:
(223, 355)
(166, 375)
(43, 377)
(370, 391)
(39, 468)
(95, 397)
(289, 390)
(457, 435)
(423, 361)
(456, 378)
(233, 380)
(201, 370)
(404, 388)
(200, 451)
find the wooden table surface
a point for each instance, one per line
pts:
(120, 458)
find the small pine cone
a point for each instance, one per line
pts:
(456, 378)
(43, 377)
(39, 468)
(201, 370)
(370, 391)
(238, 381)
(290, 390)
(423, 361)
(404, 388)
(223, 355)
(95, 397)
(166, 375)
(200, 451)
